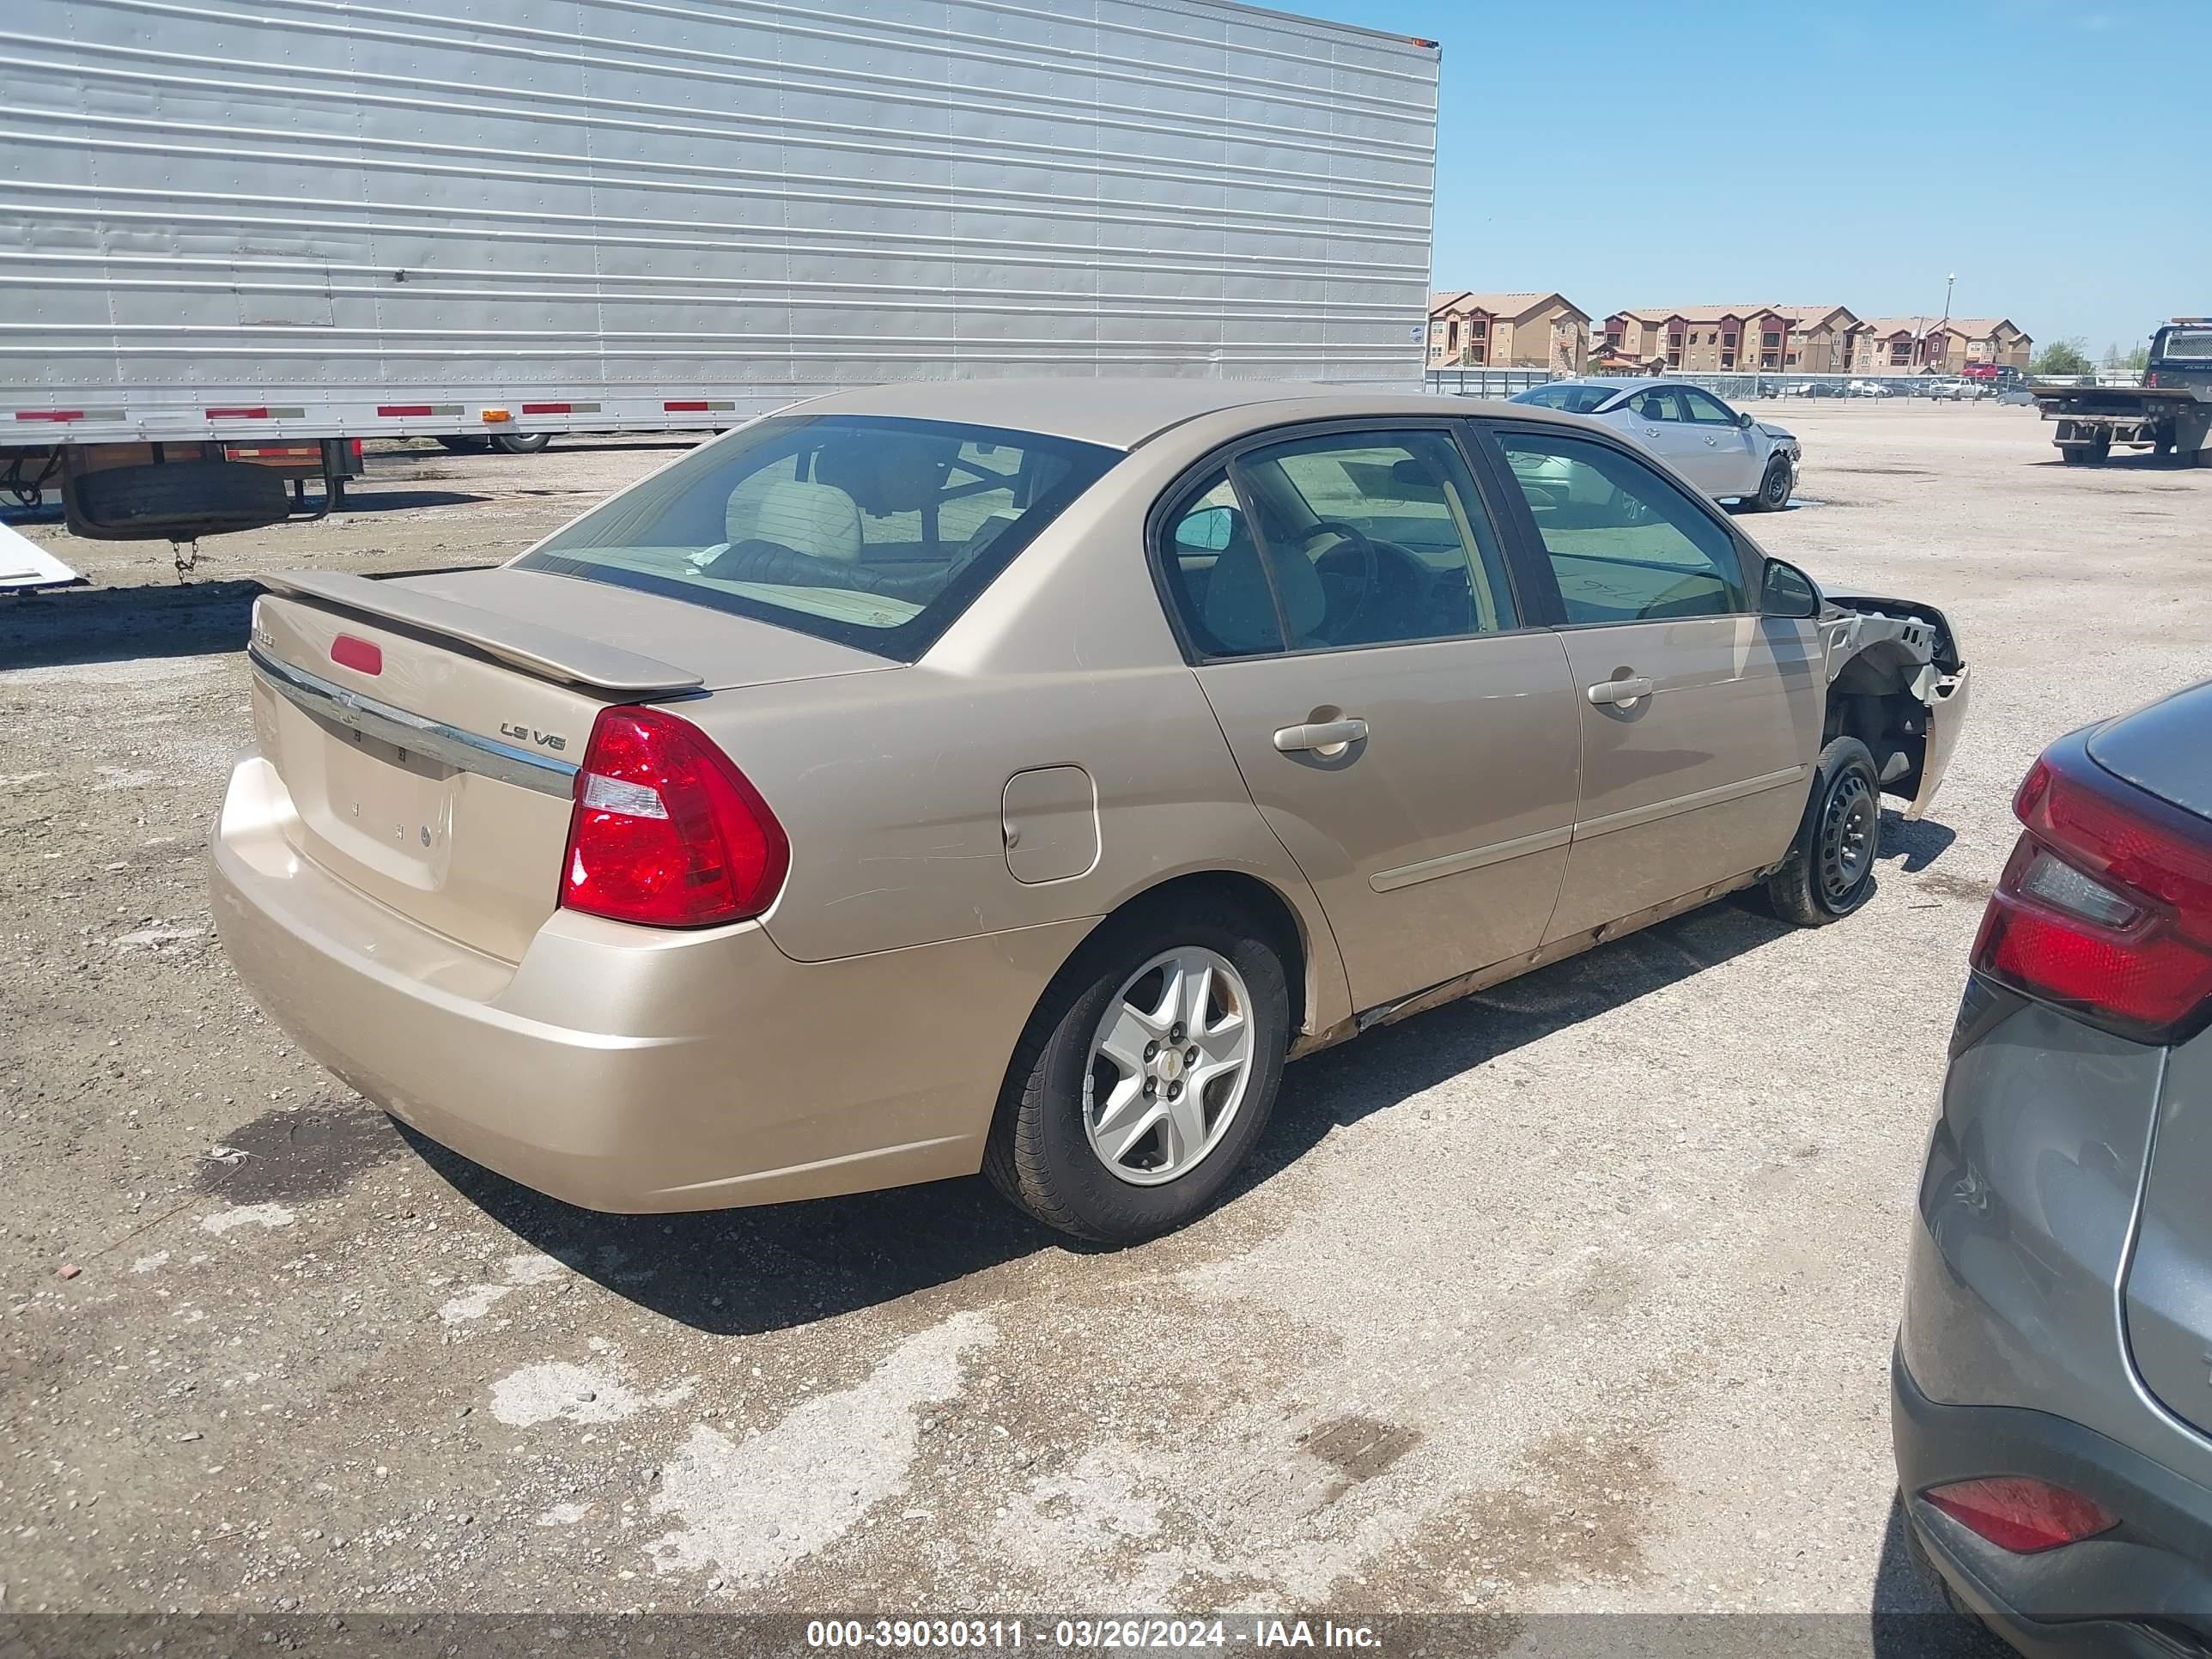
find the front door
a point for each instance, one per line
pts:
(1700, 718)
(1411, 742)
(1731, 463)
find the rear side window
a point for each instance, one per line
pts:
(1657, 406)
(1226, 601)
(1625, 543)
(1574, 399)
(2192, 345)
(1338, 539)
(871, 532)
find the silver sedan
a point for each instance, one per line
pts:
(1729, 454)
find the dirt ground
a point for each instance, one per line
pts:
(1576, 1295)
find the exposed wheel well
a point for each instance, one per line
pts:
(1277, 922)
(1872, 700)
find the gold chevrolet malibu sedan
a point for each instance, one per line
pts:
(1015, 775)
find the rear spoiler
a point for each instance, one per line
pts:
(546, 652)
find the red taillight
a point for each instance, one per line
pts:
(362, 656)
(667, 831)
(2105, 905)
(2021, 1513)
(2151, 377)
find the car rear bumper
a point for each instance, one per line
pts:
(2145, 1588)
(632, 1069)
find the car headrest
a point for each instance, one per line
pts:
(1239, 612)
(886, 472)
(807, 516)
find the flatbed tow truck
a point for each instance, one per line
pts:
(2169, 414)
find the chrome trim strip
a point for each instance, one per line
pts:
(465, 752)
(1668, 809)
(1406, 875)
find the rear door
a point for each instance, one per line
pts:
(1699, 717)
(1343, 594)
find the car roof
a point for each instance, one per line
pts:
(1124, 413)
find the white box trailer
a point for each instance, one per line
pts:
(285, 226)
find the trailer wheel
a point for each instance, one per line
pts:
(174, 500)
(521, 443)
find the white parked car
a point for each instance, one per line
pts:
(1730, 455)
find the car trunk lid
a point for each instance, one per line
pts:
(429, 730)
(2164, 749)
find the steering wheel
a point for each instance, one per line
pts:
(1348, 592)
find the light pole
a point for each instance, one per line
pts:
(1946, 323)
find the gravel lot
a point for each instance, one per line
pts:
(1576, 1295)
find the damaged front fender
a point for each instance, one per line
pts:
(1898, 682)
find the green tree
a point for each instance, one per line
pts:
(2063, 357)
(2138, 359)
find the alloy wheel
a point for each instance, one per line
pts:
(1170, 1064)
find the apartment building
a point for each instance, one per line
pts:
(1933, 345)
(1507, 331)
(1813, 339)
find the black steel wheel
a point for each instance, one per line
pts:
(1774, 489)
(1830, 871)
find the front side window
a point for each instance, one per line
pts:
(1335, 540)
(1625, 543)
(872, 531)
(1704, 408)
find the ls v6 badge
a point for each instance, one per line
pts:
(548, 739)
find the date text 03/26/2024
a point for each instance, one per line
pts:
(1079, 1635)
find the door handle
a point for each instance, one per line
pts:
(1650, 431)
(1712, 443)
(1634, 688)
(1325, 738)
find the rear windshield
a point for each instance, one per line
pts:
(2185, 345)
(1575, 399)
(872, 531)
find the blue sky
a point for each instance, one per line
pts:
(1628, 155)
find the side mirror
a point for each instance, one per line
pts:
(1788, 593)
(1743, 417)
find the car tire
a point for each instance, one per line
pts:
(520, 443)
(1773, 493)
(174, 500)
(1830, 871)
(1057, 1123)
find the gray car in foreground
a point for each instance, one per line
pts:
(2052, 1383)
